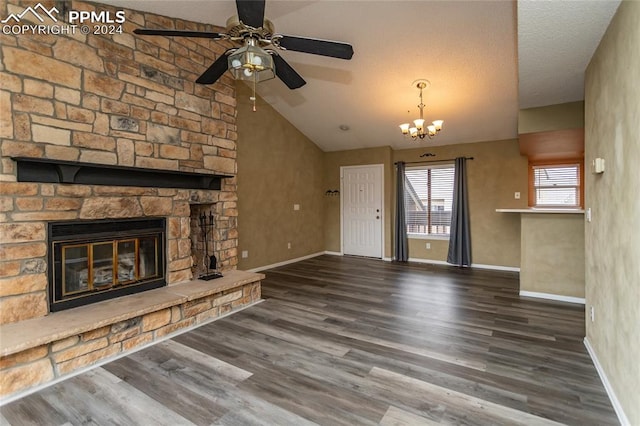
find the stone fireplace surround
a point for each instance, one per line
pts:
(123, 101)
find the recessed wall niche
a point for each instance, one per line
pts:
(206, 234)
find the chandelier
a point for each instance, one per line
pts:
(419, 130)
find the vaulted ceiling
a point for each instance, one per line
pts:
(485, 60)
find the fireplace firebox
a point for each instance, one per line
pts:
(90, 261)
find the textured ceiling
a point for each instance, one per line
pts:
(466, 49)
(556, 40)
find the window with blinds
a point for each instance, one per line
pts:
(556, 185)
(428, 199)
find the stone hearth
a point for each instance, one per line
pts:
(39, 350)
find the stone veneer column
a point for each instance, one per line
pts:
(110, 99)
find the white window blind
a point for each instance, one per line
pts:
(557, 185)
(429, 199)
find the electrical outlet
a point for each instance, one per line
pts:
(428, 245)
(516, 195)
(245, 254)
(296, 207)
(593, 314)
(289, 246)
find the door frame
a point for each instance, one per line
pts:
(382, 209)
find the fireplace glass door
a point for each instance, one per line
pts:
(86, 267)
(102, 265)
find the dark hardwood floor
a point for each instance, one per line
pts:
(349, 341)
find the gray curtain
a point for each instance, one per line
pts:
(460, 236)
(401, 245)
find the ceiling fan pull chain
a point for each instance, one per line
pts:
(253, 98)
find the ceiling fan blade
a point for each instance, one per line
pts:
(215, 71)
(177, 33)
(287, 74)
(251, 12)
(334, 49)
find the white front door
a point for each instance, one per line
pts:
(362, 221)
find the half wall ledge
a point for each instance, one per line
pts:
(56, 171)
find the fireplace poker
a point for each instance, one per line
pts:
(203, 229)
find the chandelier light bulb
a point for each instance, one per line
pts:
(404, 128)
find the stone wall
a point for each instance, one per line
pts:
(115, 99)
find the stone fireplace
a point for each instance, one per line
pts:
(116, 130)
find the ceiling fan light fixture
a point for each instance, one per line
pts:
(250, 62)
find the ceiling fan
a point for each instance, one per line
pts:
(257, 59)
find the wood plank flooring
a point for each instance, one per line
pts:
(350, 341)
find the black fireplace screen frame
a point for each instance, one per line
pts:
(96, 231)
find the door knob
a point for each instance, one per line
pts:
(377, 217)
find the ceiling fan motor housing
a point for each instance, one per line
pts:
(238, 30)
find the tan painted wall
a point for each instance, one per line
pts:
(277, 167)
(496, 173)
(612, 239)
(332, 163)
(552, 254)
(552, 117)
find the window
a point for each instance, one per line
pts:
(428, 199)
(555, 185)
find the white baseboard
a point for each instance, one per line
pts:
(624, 421)
(333, 253)
(428, 261)
(496, 267)
(286, 262)
(473, 265)
(549, 296)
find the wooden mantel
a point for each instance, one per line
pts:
(72, 172)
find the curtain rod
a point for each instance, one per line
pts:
(430, 161)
